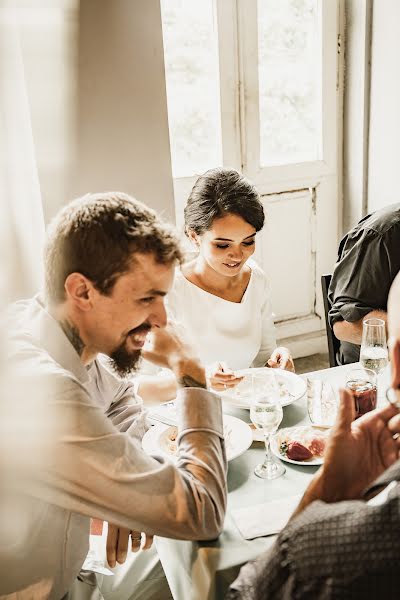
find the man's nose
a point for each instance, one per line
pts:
(158, 317)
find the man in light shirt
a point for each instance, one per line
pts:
(343, 540)
(74, 427)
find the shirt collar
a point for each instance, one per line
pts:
(52, 338)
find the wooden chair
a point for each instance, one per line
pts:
(333, 342)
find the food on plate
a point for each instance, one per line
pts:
(302, 443)
(296, 451)
(171, 440)
(244, 389)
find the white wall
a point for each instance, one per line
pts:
(384, 134)
(122, 127)
(96, 86)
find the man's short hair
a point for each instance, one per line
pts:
(97, 236)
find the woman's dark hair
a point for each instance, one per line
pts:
(219, 192)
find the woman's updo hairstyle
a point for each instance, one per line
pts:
(219, 192)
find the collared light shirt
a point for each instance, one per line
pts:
(73, 452)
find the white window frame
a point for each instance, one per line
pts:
(238, 65)
(269, 179)
(238, 61)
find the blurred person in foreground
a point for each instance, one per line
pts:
(74, 443)
(343, 540)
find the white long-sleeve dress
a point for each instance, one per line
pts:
(242, 334)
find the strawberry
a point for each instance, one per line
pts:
(296, 451)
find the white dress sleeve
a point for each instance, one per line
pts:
(268, 335)
(174, 297)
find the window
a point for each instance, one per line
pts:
(255, 85)
(289, 52)
(192, 78)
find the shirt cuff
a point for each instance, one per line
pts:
(199, 409)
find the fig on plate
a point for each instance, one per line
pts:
(296, 451)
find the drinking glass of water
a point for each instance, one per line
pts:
(266, 413)
(374, 352)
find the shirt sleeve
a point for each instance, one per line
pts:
(361, 279)
(82, 463)
(323, 552)
(268, 335)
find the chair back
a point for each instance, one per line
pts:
(333, 342)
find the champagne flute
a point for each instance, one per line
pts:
(374, 352)
(266, 413)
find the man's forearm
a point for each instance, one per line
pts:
(313, 492)
(320, 489)
(159, 388)
(352, 332)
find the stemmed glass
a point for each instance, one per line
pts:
(266, 413)
(374, 352)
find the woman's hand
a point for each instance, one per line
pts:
(221, 377)
(281, 359)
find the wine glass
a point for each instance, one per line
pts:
(374, 352)
(266, 413)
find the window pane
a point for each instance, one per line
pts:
(192, 78)
(289, 81)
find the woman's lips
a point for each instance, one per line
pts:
(232, 265)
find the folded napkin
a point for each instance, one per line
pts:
(163, 413)
(263, 519)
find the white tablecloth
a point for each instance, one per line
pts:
(204, 571)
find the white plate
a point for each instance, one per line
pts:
(291, 385)
(318, 460)
(238, 438)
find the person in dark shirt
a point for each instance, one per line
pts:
(343, 540)
(368, 262)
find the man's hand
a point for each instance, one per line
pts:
(356, 454)
(117, 543)
(281, 359)
(358, 451)
(221, 377)
(168, 347)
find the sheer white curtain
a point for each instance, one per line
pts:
(21, 238)
(21, 216)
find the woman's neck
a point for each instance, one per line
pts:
(201, 274)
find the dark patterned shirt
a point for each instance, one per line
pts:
(368, 261)
(346, 550)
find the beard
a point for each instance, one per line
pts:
(126, 362)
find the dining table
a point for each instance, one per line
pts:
(205, 570)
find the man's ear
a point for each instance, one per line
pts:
(395, 363)
(79, 290)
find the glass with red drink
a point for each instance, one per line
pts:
(362, 384)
